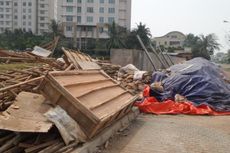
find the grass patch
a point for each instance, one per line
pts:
(8, 67)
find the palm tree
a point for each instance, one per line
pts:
(205, 46)
(116, 35)
(143, 32)
(55, 29)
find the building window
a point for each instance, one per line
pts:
(7, 10)
(24, 10)
(111, 10)
(42, 5)
(29, 10)
(69, 1)
(101, 30)
(1, 16)
(111, 1)
(90, 9)
(78, 19)
(174, 43)
(78, 9)
(69, 28)
(69, 9)
(69, 18)
(7, 22)
(90, 1)
(15, 4)
(24, 17)
(89, 19)
(173, 36)
(42, 24)
(111, 19)
(42, 12)
(42, 18)
(29, 23)
(101, 19)
(24, 23)
(1, 9)
(90, 29)
(102, 1)
(101, 9)
(1, 22)
(24, 3)
(1, 3)
(15, 17)
(29, 4)
(78, 1)
(7, 3)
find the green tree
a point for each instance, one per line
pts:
(116, 36)
(143, 31)
(55, 29)
(202, 46)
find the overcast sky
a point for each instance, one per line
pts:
(187, 16)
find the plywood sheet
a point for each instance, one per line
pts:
(80, 60)
(26, 114)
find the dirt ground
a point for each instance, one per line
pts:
(173, 134)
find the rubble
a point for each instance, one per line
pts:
(52, 134)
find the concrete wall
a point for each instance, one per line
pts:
(139, 59)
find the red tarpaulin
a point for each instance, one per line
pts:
(152, 105)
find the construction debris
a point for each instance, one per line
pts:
(21, 117)
(74, 110)
(133, 79)
(82, 95)
(80, 60)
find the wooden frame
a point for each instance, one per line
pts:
(91, 98)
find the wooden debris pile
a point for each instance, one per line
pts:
(14, 81)
(110, 69)
(51, 142)
(136, 86)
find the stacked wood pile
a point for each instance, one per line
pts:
(14, 81)
(11, 142)
(110, 69)
(135, 86)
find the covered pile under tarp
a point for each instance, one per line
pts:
(199, 81)
(152, 105)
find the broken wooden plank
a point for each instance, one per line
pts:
(21, 117)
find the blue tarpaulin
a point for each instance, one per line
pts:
(199, 80)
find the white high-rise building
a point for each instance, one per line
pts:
(29, 15)
(80, 19)
(84, 19)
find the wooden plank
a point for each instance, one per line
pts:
(71, 99)
(20, 84)
(21, 117)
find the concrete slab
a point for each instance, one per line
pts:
(175, 134)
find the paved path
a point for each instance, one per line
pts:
(174, 134)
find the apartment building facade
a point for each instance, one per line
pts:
(80, 19)
(29, 15)
(84, 19)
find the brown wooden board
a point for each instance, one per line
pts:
(80, 60)
(26, 114)
(91, 98)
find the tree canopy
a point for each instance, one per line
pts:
(202, 46)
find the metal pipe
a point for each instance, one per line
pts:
(154, 52)
(149, 57)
